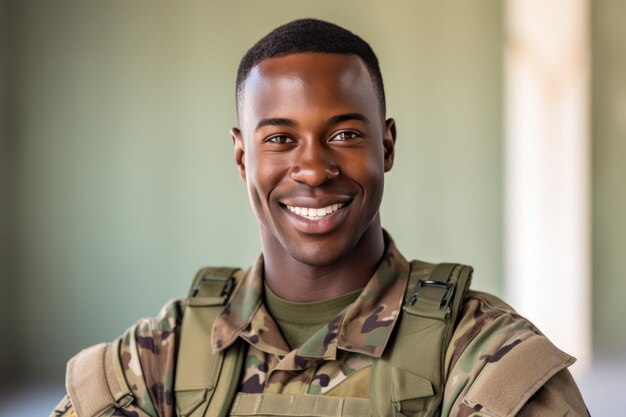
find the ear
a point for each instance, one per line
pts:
(238, 145)
(389, 143)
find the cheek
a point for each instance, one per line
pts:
(262, 178)
(368, 171)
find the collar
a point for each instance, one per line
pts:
(364, 326)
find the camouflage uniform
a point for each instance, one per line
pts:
(493, 363)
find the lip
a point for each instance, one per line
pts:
(326, 224)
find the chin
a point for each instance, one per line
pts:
(319, 254)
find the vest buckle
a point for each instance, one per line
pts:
(444, 299)
(212, 286)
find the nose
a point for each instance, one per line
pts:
(313, 165)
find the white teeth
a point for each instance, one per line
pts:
(315, 213)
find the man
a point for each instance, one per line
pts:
(331, 320)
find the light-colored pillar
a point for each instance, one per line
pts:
(547, 168)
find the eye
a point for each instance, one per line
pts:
(345, 135)
(280, 139)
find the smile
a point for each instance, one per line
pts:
(315, 213)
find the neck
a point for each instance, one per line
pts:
(301, 282)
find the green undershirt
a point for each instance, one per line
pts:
(299, 321)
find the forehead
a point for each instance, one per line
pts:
(308, 81)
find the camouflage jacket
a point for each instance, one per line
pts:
(337, 359)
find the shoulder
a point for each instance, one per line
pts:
(136, 370)
(485, 321)
(497, 360)
(156, 335)
(147, 355)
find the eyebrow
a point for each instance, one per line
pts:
(275, 121)
(346, 117)
(280, 121)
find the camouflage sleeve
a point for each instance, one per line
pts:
(500, 365)
(147, 355)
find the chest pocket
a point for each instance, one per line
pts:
(270, 405)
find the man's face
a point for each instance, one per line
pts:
(313, 148)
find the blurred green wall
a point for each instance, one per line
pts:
(124, 174)
(609, 174)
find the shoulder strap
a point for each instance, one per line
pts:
(198, 389)
(409, 379)
(95, 383)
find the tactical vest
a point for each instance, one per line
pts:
(408, 380)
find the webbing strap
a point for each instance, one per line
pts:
(197, 368)
(299, 405)
(417, 352)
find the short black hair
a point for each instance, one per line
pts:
(310, 35)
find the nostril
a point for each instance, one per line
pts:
(314, 174)
(333, 171)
